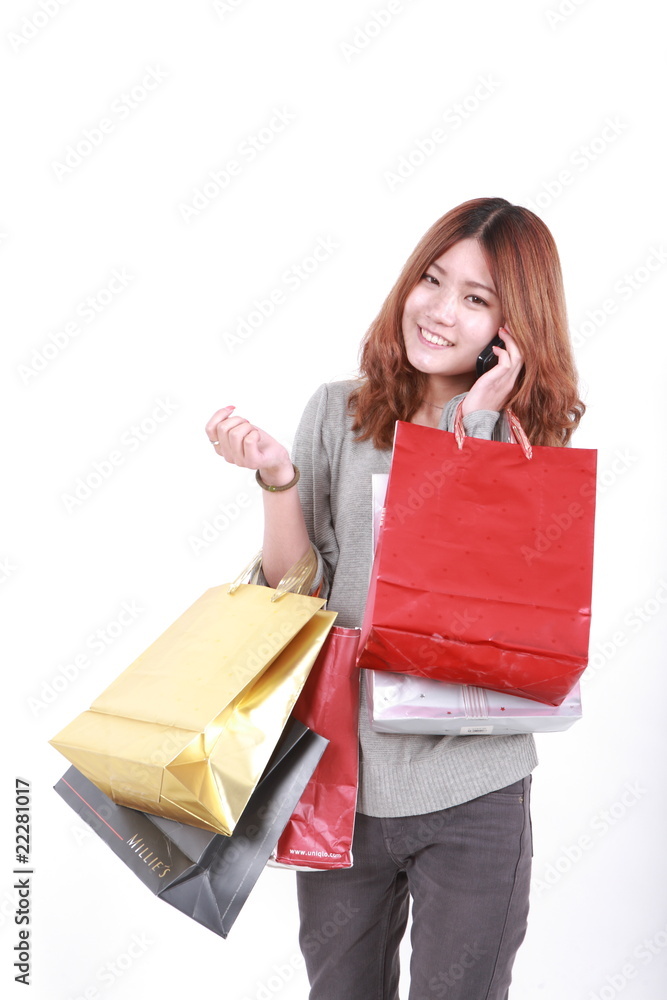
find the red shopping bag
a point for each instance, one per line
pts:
(319, 832)
(483, 570)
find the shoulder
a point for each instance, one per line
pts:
(337, 393)
(325, 417)
(330, 399)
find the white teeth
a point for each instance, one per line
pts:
(433, 338)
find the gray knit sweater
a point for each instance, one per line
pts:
(399, 775)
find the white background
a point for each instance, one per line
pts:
(360, 96)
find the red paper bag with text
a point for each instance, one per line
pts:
(483, 570)
(319, 832)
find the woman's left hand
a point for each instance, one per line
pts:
(493, 389)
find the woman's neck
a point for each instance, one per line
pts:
(439, 390)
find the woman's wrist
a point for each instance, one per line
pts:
(277, 475)
(475, 404)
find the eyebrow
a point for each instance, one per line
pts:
(471, 284)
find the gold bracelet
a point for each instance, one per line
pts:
(278, 489)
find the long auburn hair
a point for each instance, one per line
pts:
(523, 261)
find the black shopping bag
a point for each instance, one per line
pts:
(207, 876)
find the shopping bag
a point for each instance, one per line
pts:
(319, 833)
(398, 703)
(187, 729)
(205, 875)
(483, 570)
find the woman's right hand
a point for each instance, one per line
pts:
(242, 443)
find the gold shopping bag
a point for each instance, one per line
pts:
(187, 729)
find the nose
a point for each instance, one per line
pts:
(442, 309)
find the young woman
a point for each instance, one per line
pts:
(444, 820)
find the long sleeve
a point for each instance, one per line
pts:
(480, 423)
(311, 455)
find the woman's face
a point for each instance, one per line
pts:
(452, 312)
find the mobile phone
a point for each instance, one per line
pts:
(487, 359)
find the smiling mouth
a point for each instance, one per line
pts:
(434, 339)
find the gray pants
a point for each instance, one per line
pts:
(467, 870)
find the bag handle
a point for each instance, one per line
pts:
(297, 580)
(518, 435)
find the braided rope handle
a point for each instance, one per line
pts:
(518, 435)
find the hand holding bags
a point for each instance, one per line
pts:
(187, 729)
(483, 572)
